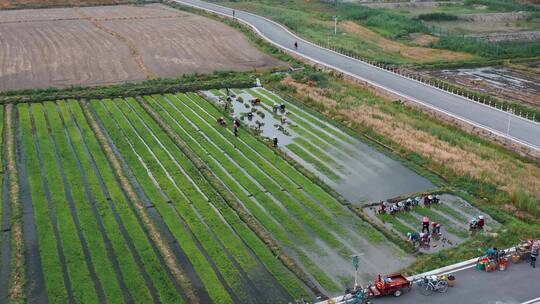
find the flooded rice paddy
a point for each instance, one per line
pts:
(357, 171)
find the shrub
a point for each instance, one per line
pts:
(437, 17)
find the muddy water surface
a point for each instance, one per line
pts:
(500, 81)
(363, 173)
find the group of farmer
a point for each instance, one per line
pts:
(423, 238)
(280, 107)
(408, 204)
(236, 124)
(477, 223)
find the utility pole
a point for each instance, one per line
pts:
(335, 24)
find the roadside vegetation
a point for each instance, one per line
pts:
(389, 36)
(497, 181)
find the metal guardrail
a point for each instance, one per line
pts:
(489, 101)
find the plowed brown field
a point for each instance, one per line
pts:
(113, 44)
(51, 3)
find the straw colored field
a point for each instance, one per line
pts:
(112, 44)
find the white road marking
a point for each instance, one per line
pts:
(533, 301)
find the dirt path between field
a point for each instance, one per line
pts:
(134, 51)
(35, 286)
(17, 272)
(6, 246)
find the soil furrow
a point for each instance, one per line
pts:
(35, 286)
(132, 47)
(93, 276)
(16, 283)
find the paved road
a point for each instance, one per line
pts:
(518, 284)
(493, 120)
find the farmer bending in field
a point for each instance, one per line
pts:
(481, 222)
(221, 122)
(275, 141)
(413, 237)
(436, 228)
(382, 209)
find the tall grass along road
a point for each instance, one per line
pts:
(496, 122)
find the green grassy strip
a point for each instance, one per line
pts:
(83, 288)
(291, 173)
(396, 224)
(133, 279)
(199, 145)
(308, 122)
(50, 260)
(281, 170)
(90, 229)
(217, 92)
(293, 207)
(158, 275)
(229, 240)
(449, 226)
(451, 212)
(319, 166)
(321, 155)
(409, 218)
(216, 291)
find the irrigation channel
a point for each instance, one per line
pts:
(149, 200)
(357, 171)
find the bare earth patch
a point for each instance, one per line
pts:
(51, 3)
(421, 54)
(115, 44)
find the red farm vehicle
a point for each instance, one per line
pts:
(392, 284)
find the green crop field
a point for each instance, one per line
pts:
(148, 199)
